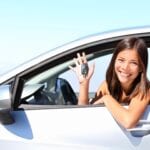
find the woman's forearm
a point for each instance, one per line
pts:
(83, 93)
(120, 113)
(127, 117)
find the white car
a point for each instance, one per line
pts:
(38, 102)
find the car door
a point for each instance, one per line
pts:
(42, 119)
(88, 127)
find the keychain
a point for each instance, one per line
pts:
(84, 69)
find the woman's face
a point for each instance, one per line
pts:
(127, 67)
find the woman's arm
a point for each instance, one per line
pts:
(127, 117)
(83, 93)
(83, 80)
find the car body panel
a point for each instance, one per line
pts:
(65, 127)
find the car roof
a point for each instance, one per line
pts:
(84, 41)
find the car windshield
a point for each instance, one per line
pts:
(8, 65)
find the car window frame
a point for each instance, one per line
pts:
(104, 46)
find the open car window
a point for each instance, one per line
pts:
(58, 85)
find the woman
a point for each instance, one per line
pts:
(126, 82)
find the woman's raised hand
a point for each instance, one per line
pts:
(82, 70)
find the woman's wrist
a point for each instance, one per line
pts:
(83, 93)
(84, 83)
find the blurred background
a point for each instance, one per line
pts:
(31, 27)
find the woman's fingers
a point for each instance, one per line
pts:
(84, 58)
(79, 61)
(76, 61)
(79, 58)
(72, 68)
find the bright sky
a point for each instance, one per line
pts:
(30, 27)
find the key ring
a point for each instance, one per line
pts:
(84, 69)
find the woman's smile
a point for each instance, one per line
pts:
(124, 75)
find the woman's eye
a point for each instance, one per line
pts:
(134, 63)
(120, 60)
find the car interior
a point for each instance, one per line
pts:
(51, 87)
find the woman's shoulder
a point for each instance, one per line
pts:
(103, 88)
(104, 83)
(100, 92)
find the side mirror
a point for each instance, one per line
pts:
(5, 105)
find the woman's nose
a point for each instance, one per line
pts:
(125, 66)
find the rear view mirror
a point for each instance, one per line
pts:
(5, 105)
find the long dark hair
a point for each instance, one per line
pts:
(141, 83)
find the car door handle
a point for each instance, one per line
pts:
(142, 129)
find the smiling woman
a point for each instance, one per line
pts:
(126, 81)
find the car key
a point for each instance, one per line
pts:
(84, 69)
